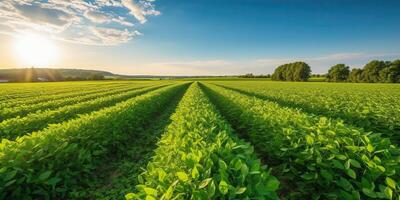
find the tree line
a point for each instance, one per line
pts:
(374, 71)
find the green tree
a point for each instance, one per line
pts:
(297, 71)
(391, 73)
(338, 73)
(96, 76)
(355, 75)
(371, 71)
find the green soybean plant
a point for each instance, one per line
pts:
(15, 127)
(200, 158)
(51, 163)
(314, 157)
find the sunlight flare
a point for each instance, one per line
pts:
(32, 50)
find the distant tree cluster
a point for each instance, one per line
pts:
(338, 73)
(373, 72)
(297, 71)
(317, 75)
(31, 75)
(46, 74)
(255, 76)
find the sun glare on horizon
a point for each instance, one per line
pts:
(32, 50)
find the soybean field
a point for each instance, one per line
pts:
(199, 139)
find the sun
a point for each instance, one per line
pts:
(34, 50)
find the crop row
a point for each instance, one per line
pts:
(314, 157)
(198, 157)
(22, 91)
(23, 110)
(62, 94)
(372, 107)
(51, 163)
(14, 127)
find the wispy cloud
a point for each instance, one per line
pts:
(319, 64)
(139, 11)
(87, 22)
(337, 57)
(195, 63)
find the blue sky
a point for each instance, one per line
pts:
(177, 37)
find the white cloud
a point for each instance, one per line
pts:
(101, 20)
(112, 36)
(139, 11)
(97, 17)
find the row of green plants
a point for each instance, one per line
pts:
(52, 163)
(116, 176)
(314, 157)
(61, 94)
(198, 157)
(15, 127)
(372, 107)
(11, 92)
(23, 110)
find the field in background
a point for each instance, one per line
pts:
(205, 138)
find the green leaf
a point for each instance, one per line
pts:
(131, 196)
(223, 187)
(390, 182)
(211, 189)
(242, 146)
(182, 176)
(204, 183)
(240, 190)
(161, 174)
(369, 192)
(310, 140)
(351, 173)
(53, 181)
(222, 164)
(341, 157)
(272, 184)
(308, 176)
(168, 194)
(10, 183)
(381, 168)
(365, 183)
(10, 175)
(44, 175)
(370, 148)
(388, 193)
(149, 197)
(355, 163)
(326, 174)
(150, 191)
(244, 169)
(337, 164)
(345, 184)
(195, 173)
